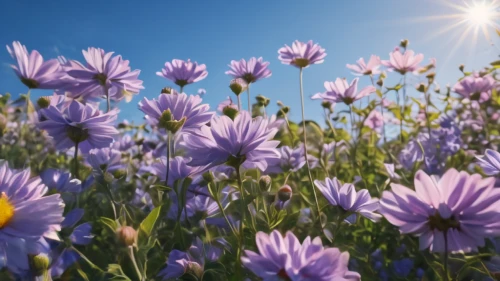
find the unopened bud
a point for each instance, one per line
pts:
(208, 177)
(265, 183)
(461, 67)
(262, 101)
(283, 111)
(421, 88)
(230, 112)
(283, 197)
(168, 122)
(167, 90)
(43, 102)
(39, 263)
(327, 105)
(404, 43)
(380, 82)
(126, 235)
(193, 268)
(238, 86)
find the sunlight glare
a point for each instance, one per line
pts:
(480, 14)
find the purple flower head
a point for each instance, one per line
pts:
(402, 267)
(346, 197)
(124, 143)
(105, 159)
(242, 141)
(79, 123)
(59, 181)
(176, 107)
(464, 207)
(362, 68)
(193, 260)
(183, 72)
(27, 214)
(329, 151)
(286, 258)
(33, 71)
(202, 92)
(490, 162)
(390, 170)
(178, 169)
(341, 91)
(251, 71)
(375, 120)
(302, 54)
(227, 102)
(291, 160)
(403, 62)
(102, 73)
(474, 87)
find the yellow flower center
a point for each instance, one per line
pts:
(6, 210)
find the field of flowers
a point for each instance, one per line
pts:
(400, 186)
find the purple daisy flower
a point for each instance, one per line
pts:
(465, 208)
(61, 182)
(302, 54)
(490, 162)
(341, 91)
(228, 102)
(291, 160)
(251, 71)
(105, 159)
(183, 73)
(362, 68)
(79, 124)
(242, 141)
(286, 258)
(180, 106)
(375, 121)
(346, 197)
(27, 214)
(104, 75)
(475, 87)
(178, 169)
(33, 71)
(403, 62)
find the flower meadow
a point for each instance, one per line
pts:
(398, 182)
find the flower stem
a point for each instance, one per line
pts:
(401, 117)
(75, 158)
(182, 89)
(239, 102)
(404, 104)
(305, 148)
(445, 257)
(28, 101)
(249, 103)
(134, 262)
(242, 219)
(168, 158)
(108, 100)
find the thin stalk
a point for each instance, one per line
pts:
(445, 257)
(182, 89)
(134, 262)
(217, 200)
(168, 158)
(93, 265)
(305, 148)
(28, 101)
(75, 159)
(404, 100)
(239, 102)
(240, 234)
(352, 121)
(401, 117)
(249, 103)
(108, 99)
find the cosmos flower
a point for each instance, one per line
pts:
(375, 120)
(475, 87)
(80, 124)
(362, 68)
(182, 72)
(490, 162)
(403, 62)
(27, 214)
(346, 197)
(33, 71)
(302, 54)
(103, 74)
(341, 91)
(251, 71)
(176, 107)
(291, 160)
(287, 258)
(465, 208)
(244, 141)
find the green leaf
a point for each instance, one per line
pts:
(117, 272)
(112, 224)
(148, 224)
(83, 275)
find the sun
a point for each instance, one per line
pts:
(480, 14)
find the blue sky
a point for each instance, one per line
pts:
(148, 33)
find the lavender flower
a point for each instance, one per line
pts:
(79, 124)
(475, 87)
(403, 62)
(105, 159)
(302, 54)
(490, 162)
(178, 169)
(340, 91)
(390, 170)
(104, 75)
(33, 71)
(288, 259)
(291, 160)
(59, 181)
(362, 68)
(226, 103)
(374, 121)
(176, 107)
(242, 141)
(346, 197)
(251, 71)
(464, 207)
(182, 72)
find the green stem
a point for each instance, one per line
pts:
(240, 234)
(28, 102)
(400, 118)
(217, 200)
(75, 158)
(305, 148)
(134, 262)
(108, 99)
(239, 102)
(168, 159)
(445, 257)
(182, 89)
(249, 103)
(93, 265)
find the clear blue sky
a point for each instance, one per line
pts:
(148, 33)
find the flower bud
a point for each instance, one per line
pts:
(404, 43)
(39, 263)
(194, 269)
(283, 197)
(126, 235)
(168, 123)
(238, 86)
(461, 67)
(167, 90)
(421, 87)
(43, 102)
(265, 183)
(262, 101)
(283, 111)
(230, 112)
(380, 82)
